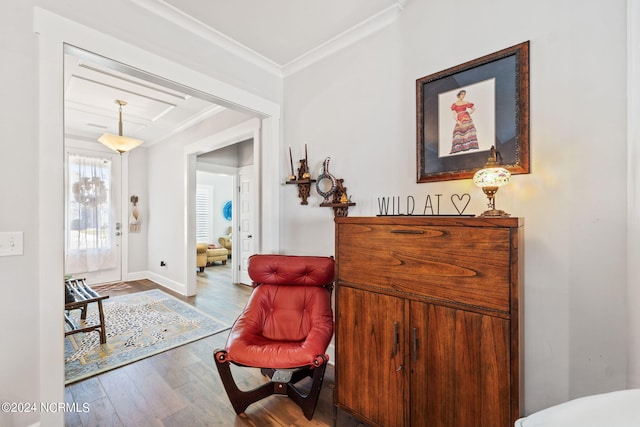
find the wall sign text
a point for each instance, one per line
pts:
(434, 204)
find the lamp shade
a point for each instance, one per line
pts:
(491, 177)
(119, 143)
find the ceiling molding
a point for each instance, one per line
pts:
(119, 77)
(130, 90)
(202, 115)
(109, 114)
(189, 23)
(342, 40)
(346, 38)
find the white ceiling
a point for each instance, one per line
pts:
(282, 30)
(277, 31)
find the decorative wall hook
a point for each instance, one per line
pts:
(135, 220)
(303, 180)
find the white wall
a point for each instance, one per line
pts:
(633, 277)
(166, 215)
(19, 201)
(167, 204)
(358, 107)
(137, 185)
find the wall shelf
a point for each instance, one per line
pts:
(304, 188)
(340, 210)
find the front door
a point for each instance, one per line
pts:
(93, 226)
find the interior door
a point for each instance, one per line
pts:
(246, 221)
(93, 226)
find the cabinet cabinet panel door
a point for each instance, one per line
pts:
(370, 351)
(460, 371)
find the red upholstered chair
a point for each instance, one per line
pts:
(285, 330)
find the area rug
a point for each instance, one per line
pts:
(138, 325)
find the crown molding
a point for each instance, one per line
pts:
(346, 38)
(339, 42)
(189, 23)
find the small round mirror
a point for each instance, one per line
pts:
(326, 185)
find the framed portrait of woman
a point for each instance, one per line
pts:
(464, 110)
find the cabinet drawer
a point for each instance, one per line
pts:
(467, 265)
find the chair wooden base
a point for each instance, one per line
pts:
(282, 382)
(80, 295)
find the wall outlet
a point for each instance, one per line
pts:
(163, 264)
(11, 243)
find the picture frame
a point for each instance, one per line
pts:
(453, 139)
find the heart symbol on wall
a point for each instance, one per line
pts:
(460, 200)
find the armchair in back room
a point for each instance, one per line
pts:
(225, 241)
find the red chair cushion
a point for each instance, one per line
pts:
(291, 270)
(288, 320)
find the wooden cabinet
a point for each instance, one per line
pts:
(428, 320)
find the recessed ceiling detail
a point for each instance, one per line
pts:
(279, 36)
(154, 112)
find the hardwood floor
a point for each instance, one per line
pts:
(181, 387)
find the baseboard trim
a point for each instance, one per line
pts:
(136, 275)
(170, 284)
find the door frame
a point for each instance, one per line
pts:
(53, 32)
(246, 130)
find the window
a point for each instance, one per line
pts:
(90, 238)
(204, 220)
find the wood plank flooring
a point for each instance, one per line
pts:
(181, 387)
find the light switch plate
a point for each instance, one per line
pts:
(11, 243)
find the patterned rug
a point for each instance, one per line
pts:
(138, 325)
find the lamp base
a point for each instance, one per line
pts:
(495, 213)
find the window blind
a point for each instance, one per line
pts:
(204, 196)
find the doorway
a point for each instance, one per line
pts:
(154, 102)
(235, 161)
(54, 33)
(234, 152)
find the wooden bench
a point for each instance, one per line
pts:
(78, 296)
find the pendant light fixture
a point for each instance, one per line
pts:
(118, 142)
